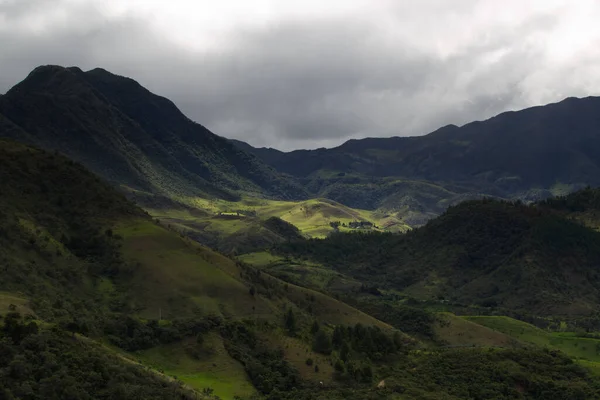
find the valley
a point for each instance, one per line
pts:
(136, 243)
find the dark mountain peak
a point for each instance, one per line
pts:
(155, 113)
(100, 75)
(52, 78)
(131, 136)
(444, 130)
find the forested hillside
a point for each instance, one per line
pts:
(535, 258)
(98, 300)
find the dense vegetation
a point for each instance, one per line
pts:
(100, 284)
(487, 252)
(50, 364)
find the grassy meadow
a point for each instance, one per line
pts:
(312, 217)
(584, 350)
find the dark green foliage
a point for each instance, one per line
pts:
(52, 365)
(283, 228)
(56, 232)
(532, 374)
(583, 200)
(410, 320)
(132, 334)
(459, 374)
(322, 343)
(491, 253)
(290, 322)
(16, 329)
(314, 328)
(266, 368)
(360, 225)
(367, 341)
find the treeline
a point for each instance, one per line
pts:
(40, 364)
(352, 225)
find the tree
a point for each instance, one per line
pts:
(338, 337)
(290, 322)
(367, 373)
(322, 343)
(315, 327)
(339, 366)
(345, 352)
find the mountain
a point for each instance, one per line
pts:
(133, 137)
(97, 300)
(171, 165)
(80, 265)
(537, 259)
(528, 154)
(538, 146)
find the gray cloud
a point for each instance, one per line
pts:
(309, 83)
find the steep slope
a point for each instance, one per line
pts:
(132, 137)
(491, 253)
(81, 257)
(85, 265)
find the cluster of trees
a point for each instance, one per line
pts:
(368, 341)
(466, 246)
(356, 348)
(352, 225)
(360, 225)
(39, 364)
(133, 334)
(266, 367)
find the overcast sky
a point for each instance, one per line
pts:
(315, 73)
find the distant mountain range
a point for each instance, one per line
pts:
(143, 143)
(529, 154)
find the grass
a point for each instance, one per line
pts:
(178, 277)
(460, 332)
(312, 217)
(260, 259)
(216, 370)
(584, 350)
(10, 299)
(301, 272)
(296, 352)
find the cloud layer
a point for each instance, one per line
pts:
(302, 75)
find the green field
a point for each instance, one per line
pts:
(301, 272)
(312, 217)
(260, 259)
(217, 370)
(582, 349)
(455, 331)
(178, 277)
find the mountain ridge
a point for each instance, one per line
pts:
(131, 136)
